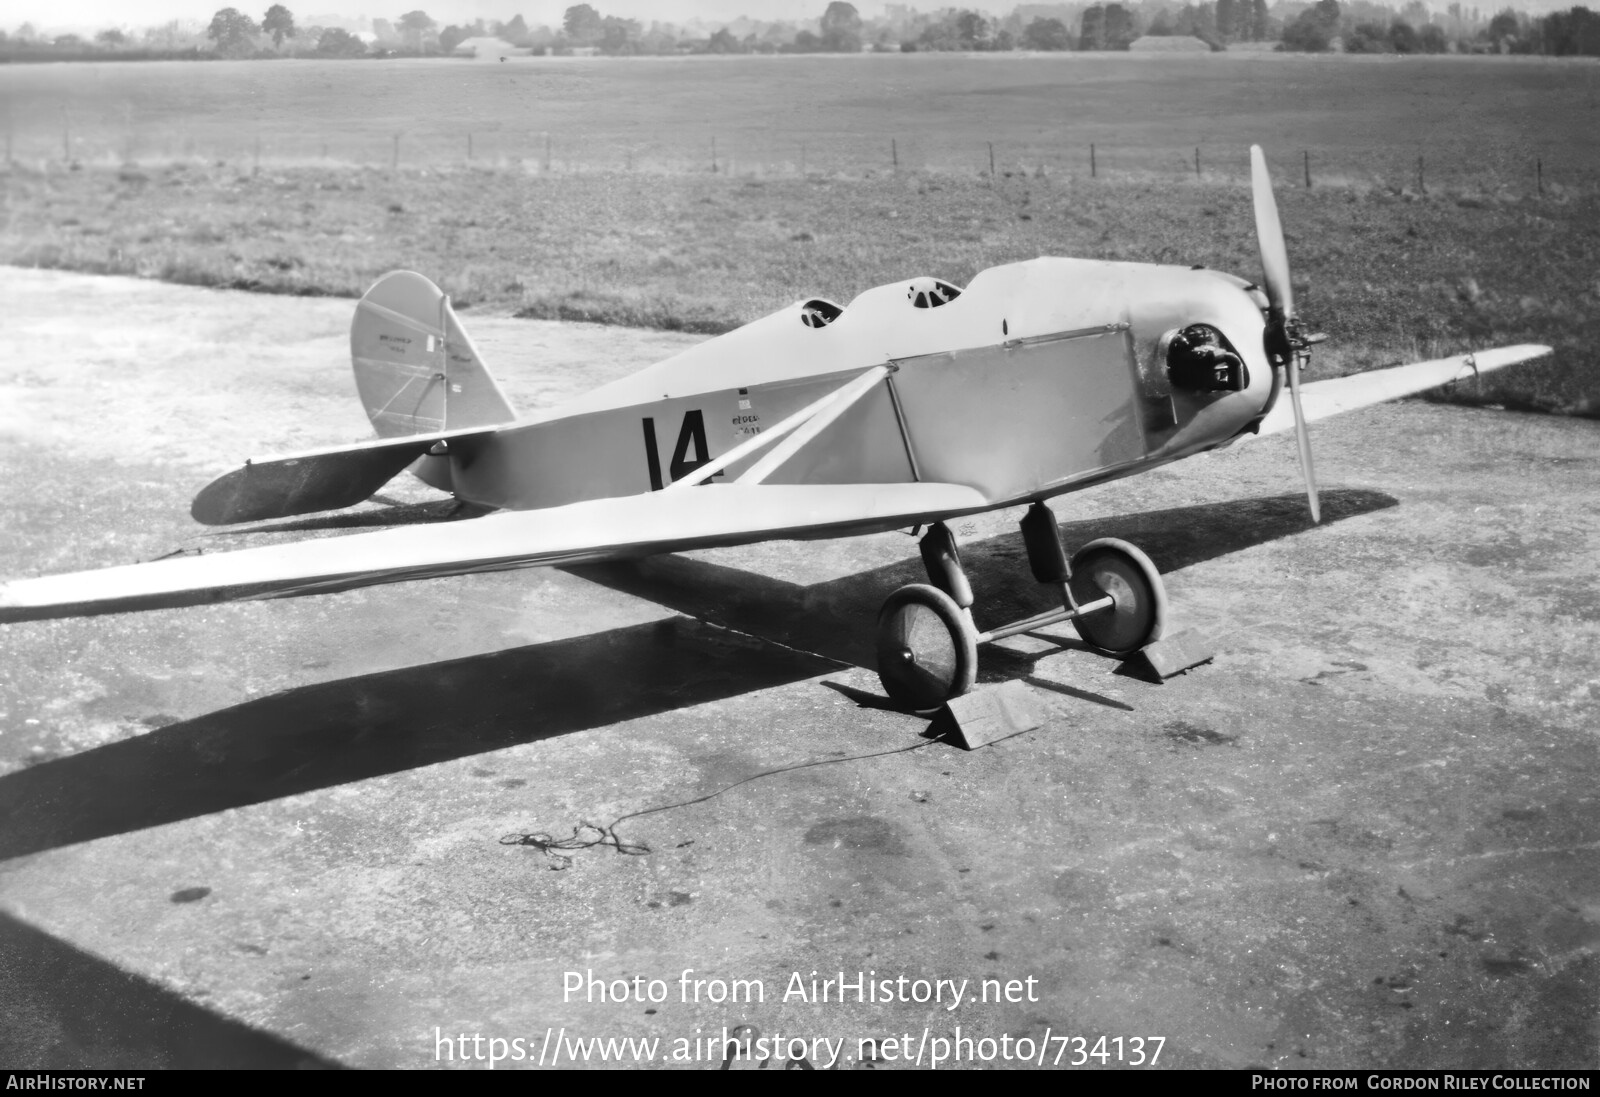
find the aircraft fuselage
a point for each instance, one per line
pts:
(1038, 378)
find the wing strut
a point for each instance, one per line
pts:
(813, 418)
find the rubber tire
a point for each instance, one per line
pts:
(1114, 567)
(927, 648)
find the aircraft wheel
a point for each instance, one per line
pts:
(1110, 566)
(927, 647)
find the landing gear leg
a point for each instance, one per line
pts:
(1110, 591)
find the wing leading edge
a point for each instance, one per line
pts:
(1323, 399)
(597, 529)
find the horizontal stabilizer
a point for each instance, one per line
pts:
(1322, 399)
(596, 529)
(301, 483)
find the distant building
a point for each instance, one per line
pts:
(1168, 43)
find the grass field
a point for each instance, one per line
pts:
(1362, 117)
(1391, 272)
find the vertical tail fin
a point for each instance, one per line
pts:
(416, 368)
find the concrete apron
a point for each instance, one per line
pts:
(322, 830)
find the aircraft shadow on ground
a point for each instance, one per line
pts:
(348, 730)
(69, 1010)
(838, 619)
(336, 732)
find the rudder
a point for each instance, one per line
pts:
(416, 369)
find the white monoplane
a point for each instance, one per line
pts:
(914, 404)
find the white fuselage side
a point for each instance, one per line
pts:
(1040, 376)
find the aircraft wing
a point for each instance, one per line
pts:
(1322, 399)
(597, 529)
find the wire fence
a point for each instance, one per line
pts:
(814, 154)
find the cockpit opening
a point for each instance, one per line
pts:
(817, 313)
(1200, 359)
(930, 293)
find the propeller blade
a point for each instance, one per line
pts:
(1269, 236)
(1303, 436)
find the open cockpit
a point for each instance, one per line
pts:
(819, 312)
(930, 293)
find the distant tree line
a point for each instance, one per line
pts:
(1359, 27)
(1312, 26)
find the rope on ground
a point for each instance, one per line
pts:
(587, 835)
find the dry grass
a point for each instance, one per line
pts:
(1392, 276)
(1364, 117)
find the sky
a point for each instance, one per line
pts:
(78, 15)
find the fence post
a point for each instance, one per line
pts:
(1091, 161)
(1197, 162)
(1307, 154)
(324, 150)
(1538, 166)
(894, 153)
(713, 154)
(1422, 183)
(802, 161)
(991, 159)
(66, 135)
(256, 168)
